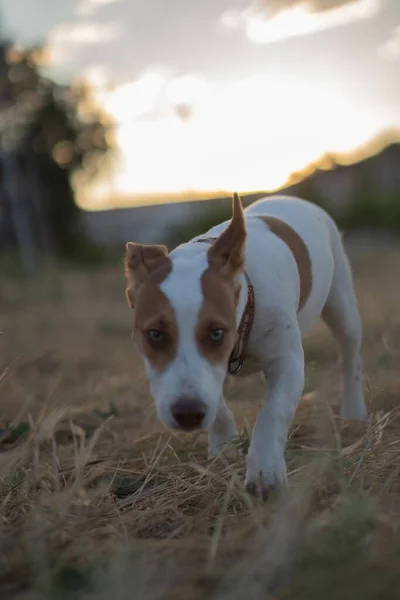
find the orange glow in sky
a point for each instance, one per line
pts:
(245, 136)
(221, 95)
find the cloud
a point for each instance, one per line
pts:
(88, 33)
(97, 76)
(281, 19)
(315, 6)
(390, 50)
(87, 8)
(64, 39)
(188, 89)
(180, 35)
(136, 99)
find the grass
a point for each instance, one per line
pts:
(98, 500)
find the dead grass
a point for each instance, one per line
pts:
(97, 500)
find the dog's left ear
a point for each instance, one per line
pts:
(140, 261)
(227, 252)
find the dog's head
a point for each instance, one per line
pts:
(185, 321)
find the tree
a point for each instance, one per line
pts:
(48, 134)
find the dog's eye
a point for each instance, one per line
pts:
(155, 336)
(217, 335)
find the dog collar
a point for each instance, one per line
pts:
(237, 355)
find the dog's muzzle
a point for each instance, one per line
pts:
(188, 413)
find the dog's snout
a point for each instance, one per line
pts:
(189, 413)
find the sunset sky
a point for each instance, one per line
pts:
(272, 84)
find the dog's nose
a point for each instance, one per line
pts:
(188, 413)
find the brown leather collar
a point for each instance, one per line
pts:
(237, 355)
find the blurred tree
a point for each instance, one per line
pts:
(49, 133)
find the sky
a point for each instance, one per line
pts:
(222, 94)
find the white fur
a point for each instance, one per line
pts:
(275, 345)
(189, 374)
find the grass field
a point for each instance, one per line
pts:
(98, 500)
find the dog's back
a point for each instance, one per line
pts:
(287, 234)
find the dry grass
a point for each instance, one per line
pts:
(98, 500)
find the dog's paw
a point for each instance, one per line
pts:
(267, 477)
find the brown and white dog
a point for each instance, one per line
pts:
(245, 292)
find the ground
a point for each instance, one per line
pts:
(98, 500)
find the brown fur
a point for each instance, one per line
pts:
(227, 253)
(300, 253)
(218, 311)
(146, 267)
(140, 261)
(220, 291)
(154, 311)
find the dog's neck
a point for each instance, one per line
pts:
(243, 296)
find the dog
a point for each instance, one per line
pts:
(238, 300)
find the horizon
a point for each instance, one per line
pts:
(224, 94)
(372, 148)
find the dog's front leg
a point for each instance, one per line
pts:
(284, 374)
(222, 432)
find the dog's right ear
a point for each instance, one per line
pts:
(227, 252)
(140, 261)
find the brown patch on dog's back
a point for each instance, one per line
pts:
(220, 296)
(154, 311)
(299, 250)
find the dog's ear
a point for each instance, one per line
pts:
(140, 261)
(227, 252)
